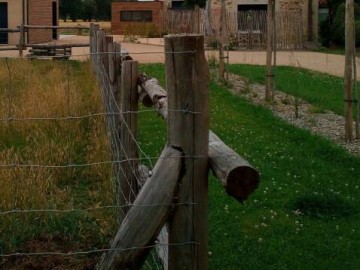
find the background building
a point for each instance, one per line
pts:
(13, 13)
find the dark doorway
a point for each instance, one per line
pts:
(54, 20)
(4, 36)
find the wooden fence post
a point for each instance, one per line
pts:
(222, 40)
(129, 150)
(93, 42)
(349, 44)
(114, 117)
(269, 50)
(21, 40)
(188, 128)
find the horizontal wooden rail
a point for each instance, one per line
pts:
(238, 177)
(9, 30)
(9, 49)
(55, 27)
(55, 46)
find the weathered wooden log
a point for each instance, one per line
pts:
(144, 173)
(163, 250)
(152, 94)
(55, 27)
(55, 46)
(9, 30)
(148, 214)
(8, 49)
(238, 177)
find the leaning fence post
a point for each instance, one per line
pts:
(188, 128)
(128, 130)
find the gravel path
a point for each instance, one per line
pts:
(326, 124)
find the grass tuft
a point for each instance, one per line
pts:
(324, 206)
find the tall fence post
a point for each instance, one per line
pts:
(114, 117)
(129, 151)
(21, 40)
(222, 40)
(269, 50)
(349, 44)
(188, 129)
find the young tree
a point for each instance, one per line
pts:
(269, 85)
(349, 50)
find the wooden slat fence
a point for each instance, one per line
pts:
(289, 30)
(247, 29)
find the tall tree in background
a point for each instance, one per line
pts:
(70, 9)
(85, 9)
(332, 31)
(88, 10)
(103, 9)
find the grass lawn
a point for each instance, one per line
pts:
(338, 51)
(304, 215)
(322, 90)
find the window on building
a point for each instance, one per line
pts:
(136, 16)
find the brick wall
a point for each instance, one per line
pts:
(122, 28)
(40, 13)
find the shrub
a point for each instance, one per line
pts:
(151, 31)
(335, 33)
(233, 42)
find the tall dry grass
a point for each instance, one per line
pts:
(51, 89)
(106, 25)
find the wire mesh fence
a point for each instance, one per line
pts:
(71, 162)
(60, 192)
(59, 197)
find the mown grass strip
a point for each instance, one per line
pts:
(321, 90)
(286, 223)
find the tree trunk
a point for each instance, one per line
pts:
(269, 50)
(222, 41)
(349, 49)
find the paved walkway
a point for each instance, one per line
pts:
(152, 51)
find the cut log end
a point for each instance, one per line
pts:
(241, 182)
(145, 98)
